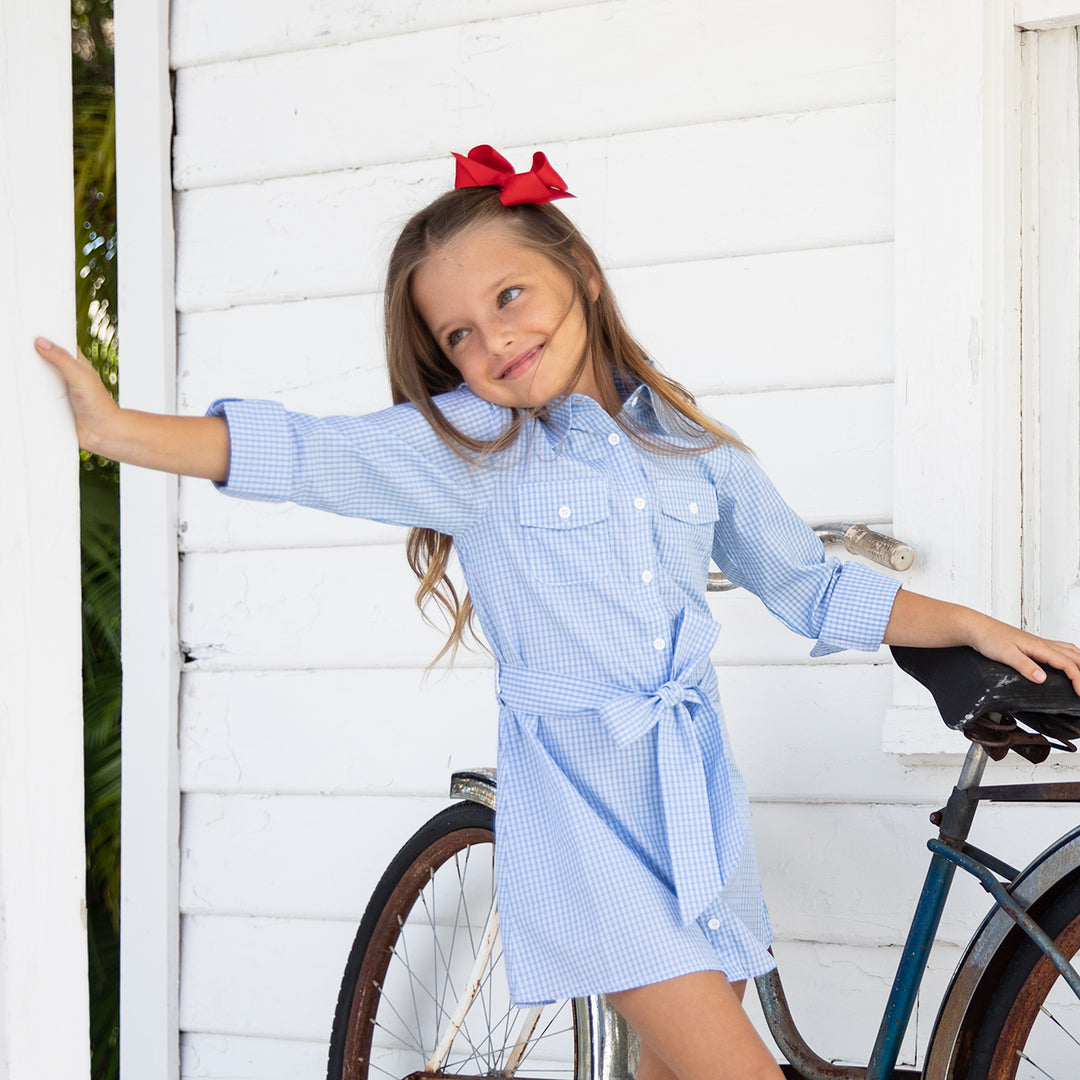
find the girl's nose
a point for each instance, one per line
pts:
(497, 337)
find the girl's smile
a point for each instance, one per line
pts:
(506, 317)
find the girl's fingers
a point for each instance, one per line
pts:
(60, 358)
(1062, 655)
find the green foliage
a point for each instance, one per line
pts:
(101, 745)
(95, 184)
(95, 284)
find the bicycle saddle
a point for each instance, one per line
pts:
(994, 705)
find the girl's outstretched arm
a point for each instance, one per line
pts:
(189, 445)
(923, 621)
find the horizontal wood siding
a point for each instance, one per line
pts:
(734, 167)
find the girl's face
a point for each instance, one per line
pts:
(505, 316)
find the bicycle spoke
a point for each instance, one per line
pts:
(1046, 1012)
(1020, 1054)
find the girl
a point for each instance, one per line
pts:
(584, 493)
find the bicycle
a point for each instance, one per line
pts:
(422, 995)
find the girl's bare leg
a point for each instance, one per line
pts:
(694, 1028)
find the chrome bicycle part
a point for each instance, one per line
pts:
(857, 539)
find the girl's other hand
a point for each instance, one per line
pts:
(91, 402)
(1026, 652)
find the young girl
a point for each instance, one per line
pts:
(584, 493)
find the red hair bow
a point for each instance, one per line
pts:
(486, 167)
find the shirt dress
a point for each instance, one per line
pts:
(624, 854)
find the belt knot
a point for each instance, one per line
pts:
(672, 693)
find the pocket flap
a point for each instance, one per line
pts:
(559, 505)
(692, 502)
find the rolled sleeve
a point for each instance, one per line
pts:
(261, 451)
(856, 611)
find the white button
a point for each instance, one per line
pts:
(693, 508)
(564, 512)
(714, 923)
(639, 503)
(658, 644)
(646, 576)
(613, 438)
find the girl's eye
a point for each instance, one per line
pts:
(509, 294)
(455, 338)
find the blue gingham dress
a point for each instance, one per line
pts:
(624, 854)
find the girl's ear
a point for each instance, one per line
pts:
(592, 273)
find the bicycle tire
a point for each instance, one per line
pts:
(1028, 1027)
(396, 996)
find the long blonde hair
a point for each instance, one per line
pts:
(419, 369)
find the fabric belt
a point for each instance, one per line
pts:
(703, 851)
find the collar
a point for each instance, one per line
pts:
(583, 413)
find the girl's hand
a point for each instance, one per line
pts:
(1025, 652)
(187, 445)
(91, 402)
(927, 623)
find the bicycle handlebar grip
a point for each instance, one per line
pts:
(879, 548)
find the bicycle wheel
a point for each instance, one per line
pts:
(429, 933)
(1029, 1028)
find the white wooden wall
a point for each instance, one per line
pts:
(734, 167)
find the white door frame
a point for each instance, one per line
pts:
(958, 426)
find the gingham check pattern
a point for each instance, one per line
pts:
(624, 851)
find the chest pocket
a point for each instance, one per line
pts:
(566, 530)
(688, 517)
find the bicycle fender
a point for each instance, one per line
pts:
(474, 785)
(1041, 876)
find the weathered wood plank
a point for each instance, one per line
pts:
(800, 732)
(839, 1023)
(276, 978)
(395, 731)
(318, 355)
(737, 325)
(204, 31)
(336, 849)
(828, 450)
(823, 179)
(637, 66)
(808, 861)
(766, 322)
(353, 607)
(238, 1057)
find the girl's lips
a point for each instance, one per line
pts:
(520, 364)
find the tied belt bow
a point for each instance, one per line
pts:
(703, 851)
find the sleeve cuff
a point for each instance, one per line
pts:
(261, 449)
(858, 610)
